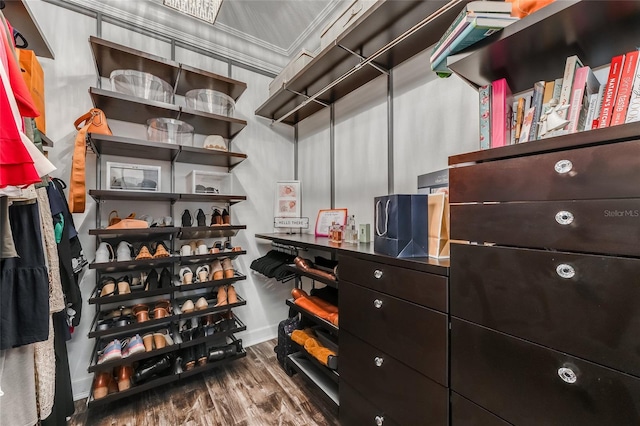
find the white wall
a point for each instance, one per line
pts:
(433, 119)
(269, 151)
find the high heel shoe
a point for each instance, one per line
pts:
(226, 219)
(232, 296)
(201, 304)
(201, 218)
(227, 268)
(141, 312)
(108, 286)
(186, 275)
(161, 250)
(216, 271)
(123, 376)
(222, 298)
(124, 285)
(165, 278)
(203, 273)
(102, 382)
(151, 282)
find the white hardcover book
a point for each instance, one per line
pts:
(570, 67)
(633, 111)
(593, 101)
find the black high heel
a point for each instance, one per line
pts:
(226, 219)
(152, 281)
(201, 218)
(186, 218)
(165, 278)
(216, 217)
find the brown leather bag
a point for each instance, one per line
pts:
(93, 121)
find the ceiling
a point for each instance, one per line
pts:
(264, 33)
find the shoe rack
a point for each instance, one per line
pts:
(211, 325)
(319, 376)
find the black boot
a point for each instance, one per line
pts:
(216, 354)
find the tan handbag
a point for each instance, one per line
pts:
(93, 121)
(438, 219)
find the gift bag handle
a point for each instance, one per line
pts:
(386, 220)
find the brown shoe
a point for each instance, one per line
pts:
(159, 340)
(216, 271)
(123, 376)
(144, 253)
(221, 300)
(161, 251)
(227, 267)
(232, 296)
(148, 342)
(101, 382)
(141, 312)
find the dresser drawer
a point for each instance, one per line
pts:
(596, 226)
(393, 388)
(415, 335)
(466, 413)
(528, 384)
(606, 171)
(585, 305)
(357, 411)
(420, 287)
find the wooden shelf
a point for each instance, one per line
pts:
(111, 56)
(237, 327)
(131, 265)
(134, 295)
(139, 148)
(136, 234)
(209, 284)
(198, 259)
(535, 48)
(117, 195)
(211, 365)
(133, 328)
(46, 142)
(211, 309)
(157, 382)
(202, 232)
(118, 106)
(18, 13)
(380, 25)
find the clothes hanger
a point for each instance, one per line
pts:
(23, 44)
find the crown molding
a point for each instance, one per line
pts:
(313, 29)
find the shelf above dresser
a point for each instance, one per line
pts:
(375, 29)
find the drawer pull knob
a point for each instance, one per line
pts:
(377, 303)
(567, 375)
(564, 217)
(563, 166)
(378, 361)
(379, 420)
(377, 274)
(566, 271)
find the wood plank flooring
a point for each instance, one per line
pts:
(252, 391)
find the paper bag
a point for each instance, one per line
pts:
(401, 225)
(439, 225)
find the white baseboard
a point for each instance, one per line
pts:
(82, 387)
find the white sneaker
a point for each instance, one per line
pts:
(104, 253)
(123, 252)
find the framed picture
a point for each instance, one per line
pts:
(326, 217)
(133, 177)
(288, 198)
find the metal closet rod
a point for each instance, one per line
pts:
(371, 58)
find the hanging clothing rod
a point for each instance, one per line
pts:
(373, 57)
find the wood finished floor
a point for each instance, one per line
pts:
(253, 391)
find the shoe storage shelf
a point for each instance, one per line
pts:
(320, 376)
(195, 330)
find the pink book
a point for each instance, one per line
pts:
(624, 88)
(500, 113)
(610, 90)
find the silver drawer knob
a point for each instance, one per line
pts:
(567, 375)
(378, 361)
(564, 217)
(377, 274)
(563, 166)
(379, 420)
(566, 271)
(377, 303)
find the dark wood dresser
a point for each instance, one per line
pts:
(545, 301)
(394, 340)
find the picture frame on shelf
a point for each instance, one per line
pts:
(288, 196)
(133, 177)
(326, 217)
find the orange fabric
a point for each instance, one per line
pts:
(522, 8)
(34, 78)
(93, 122)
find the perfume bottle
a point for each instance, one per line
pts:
(336, 233)
(351, 233)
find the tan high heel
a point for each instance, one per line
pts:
(232, 296)
(216, 271)
(222, 298)
(227, 268)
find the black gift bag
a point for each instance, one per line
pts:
(401, 225)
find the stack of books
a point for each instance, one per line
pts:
(576, 102)
(479, 19)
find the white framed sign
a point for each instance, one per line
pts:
(288, 197)
(291, 222)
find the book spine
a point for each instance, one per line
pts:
(575, 106)
(571, 65)
(446, 37)
(455, 33)
(500, 117)
(596, 114)
(633, 111)
(538, 97)
(484, 94)
(557, 88)
(591, 113)
(608, 101)
(624, 88)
